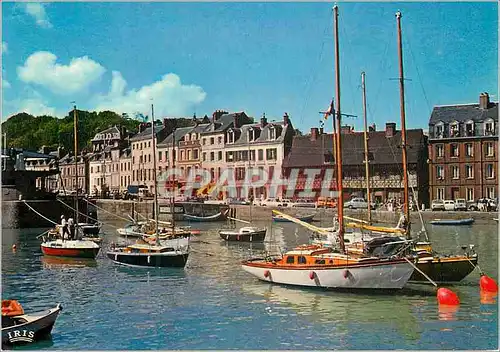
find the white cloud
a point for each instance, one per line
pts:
(32, 103)
(169, 96)
(5, 83)
(41, 68)
(4, 48)
(37, 11)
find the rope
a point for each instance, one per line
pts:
(106, 211)
(78, 212)
(36, 212)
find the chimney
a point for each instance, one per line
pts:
(314, 133)
(372, 128)
(263, 121)
(321, 130)
(217, 114)
(484, 100)
(390, 129)
(345, 129)
(286, 119)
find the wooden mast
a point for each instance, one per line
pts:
(403, 125)
(340, 202)
(75, 119)
(154, 175)
(174, 184)
(367, 168)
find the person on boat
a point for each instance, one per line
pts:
(64, 227)
(402, 223)
(71, 227)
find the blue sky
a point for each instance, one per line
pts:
(255, 57)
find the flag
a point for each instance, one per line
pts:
(329, 111)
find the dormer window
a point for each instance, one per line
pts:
(454, 129)
(439, 130)
(186, 138)
(489, 127)
(230, 136)
(469, 128)
(272, 133)
(251, 135)
(193, 137)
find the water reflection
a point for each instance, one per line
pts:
(50, 262)
(447, 312)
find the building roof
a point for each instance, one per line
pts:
(262, 133)
(179, 134)
(146, 134)
(222, 124)
(463, 113)
(382, 150)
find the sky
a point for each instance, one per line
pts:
(261, 58)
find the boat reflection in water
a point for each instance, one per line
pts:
(50, 262)
(343, 309)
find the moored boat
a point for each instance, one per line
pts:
(215, 217)
(144, 255)
(452, 222)
(244, 234)
(19, 328)
(306, 218)
(70, 248)
(89, 229)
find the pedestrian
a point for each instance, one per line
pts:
(71, 226)
(64, 227)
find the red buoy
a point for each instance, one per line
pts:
(312, 275)
(448, 297)
(488, 284)
(266, 273)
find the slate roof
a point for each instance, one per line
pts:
(146, 134)
(463, 113)
(179, 134)
(263, 137)
(222, 124)
(382, 150)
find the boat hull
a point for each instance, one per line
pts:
(159, 260)
(38, 326)
(444, 269)
(90, 229)
(308, 218)
(257, 236)
(393, 275)
(452, 222)
(60, 249)
(194, 218)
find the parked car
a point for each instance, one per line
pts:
(472, 205)
(357, 203)
(449, 205)
(437, 204)
(304, 203)
(460, 204)
(271, 202)
(485, 204)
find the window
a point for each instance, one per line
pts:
(195, 154)
(440, 193)
(220, 156)
(159, 156)
(469, 149)
(271, 154)
(182, 155)
(490, 192)
(219, 140)
(149, 144)
(133, 160)
(469, 128)
(252, 155)
(251, 135)
(440, 172)
(212, 140)
(440, 130)
(470, 193)
(212, 156)
(454, 150)
(455, 171)
(272, 133)
(189, 155)
(489, 127)
(229, 156)
(261, 154)
(454, 129)
(204, 156)
(203, 141)
(489, 149)
(290, 259)
(230, 137)
(91, 170)
(439, 150)
(302, 260)
(490, 172)
(469, 171)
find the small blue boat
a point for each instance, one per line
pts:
(452, 222)
(306, 218)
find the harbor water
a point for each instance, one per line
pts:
(213, 304)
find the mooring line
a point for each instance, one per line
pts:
(106, 211)
(46, 218)
(89, 217)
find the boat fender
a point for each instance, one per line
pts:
(149, 259)
(238, 237)
(346, 273)
(312, 275)
(267, 273)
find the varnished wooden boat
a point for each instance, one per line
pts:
(306, 218)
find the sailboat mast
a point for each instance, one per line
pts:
(340, 202)
(154, 173)
(367, 168)
(75, 118)
(403, 124)
(174, 183)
